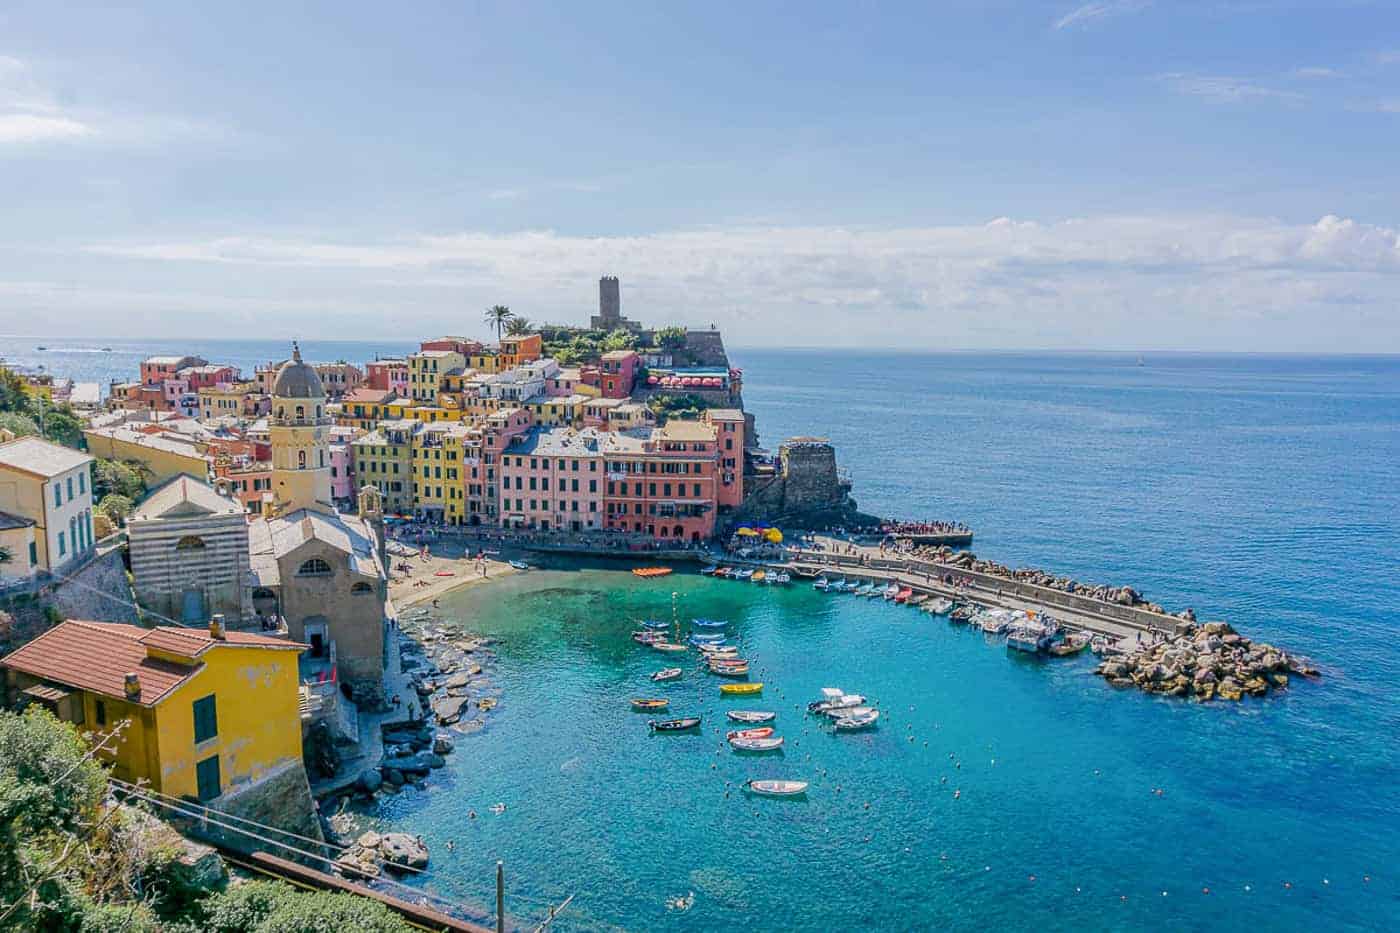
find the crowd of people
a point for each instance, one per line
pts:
(900, 529)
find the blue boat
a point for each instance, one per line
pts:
(837, 586)
(655, 625)
(866, 589)
(698, 639)
(708, 571)
(710, 623)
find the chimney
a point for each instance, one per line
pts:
(132, 687)
(216, 626)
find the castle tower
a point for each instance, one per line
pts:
(301, 468)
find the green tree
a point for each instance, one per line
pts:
(21, 425)
(270, 907)
(619, 340)
(671, 338)
(113, 476)
(519, 326)
(62, 426)
(498, 316)
(115, 506)
(12, 394)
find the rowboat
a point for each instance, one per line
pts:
(855, 723)
(1073, 644)
(709, 623)
(939, 606)
(777, 788)
(841, 712)
(708, 571)
(865, 589)
(833, 703)
(735, 670)
(757, 745)
(698, 638)
(655, 625)
(740, 689)
(743, 575)
(648, 638)
(852, 586)
(918, 599)
(669, 673)
(762, 732)
(722, 572)
(837, 586)
(903, 595)
(719, 651)
(758, 576)
(821, 583)
(650, 571)
(650, 704)
(520, 565)
(891, 591)
(750, 715)
(674, 725)
(667, 646)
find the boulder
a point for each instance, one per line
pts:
(434, 761)
(368, 840)
(442, 745)
(1229, 689)
(1205, 692)
(486, 703)
(449, 709)
(1278, 680)
(417, 763)
(400, 850)
(393, 778)
(369, 781)
(457, 680)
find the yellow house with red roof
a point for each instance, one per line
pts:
(209, 711)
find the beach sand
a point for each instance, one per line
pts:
(421, 584)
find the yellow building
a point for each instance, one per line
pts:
(226, 398)
(162, 455)
(555, 411)
(384, 459)
(209, 711)
(438, 487)
(426, 368)
(487, 360)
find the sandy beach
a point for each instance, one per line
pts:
(445, 570)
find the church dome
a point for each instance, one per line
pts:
(296, 379)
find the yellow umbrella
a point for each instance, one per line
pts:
(773, 535)
(747, 533)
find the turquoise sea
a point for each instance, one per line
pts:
(1260, 490)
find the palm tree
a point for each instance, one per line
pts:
(518, 326)
(499, 316)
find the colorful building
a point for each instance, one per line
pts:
(383, 458)
(731, 428)
(162, 453)
(516, 351)
(663, 481)
(209, 712)
(156, 369)
(439, 483)
(48, 485)
(339, 377)
(365, 407)
(426, 369)
(552, 479)
(389, 375)
(617, 371)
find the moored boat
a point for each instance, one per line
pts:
(648, 572)
(762, 732)
(741, 689)
(821, 583)
(650, 704)
(757, 745)
(710, 623)
(865, 589)
(708, 571)
(655, 625)
(846, 701)
(750, 715)
(669, 673)
(648, 637)
(891, 591)
(697, 638)
(519, 565)
(854, 723)
(1073, 643)
(758, 576)
(674, 725)
(738, 670)
(667, 646)
(918, 599)
(777, 788)
(903, 595)
(939, 606)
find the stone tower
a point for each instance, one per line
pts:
(301, 469)
(609, 316)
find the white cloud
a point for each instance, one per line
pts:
(33, 128)
(1316, 72)
(1225, 88)
(1194, 282)
(1092, 12)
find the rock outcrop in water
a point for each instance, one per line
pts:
(1206, 662)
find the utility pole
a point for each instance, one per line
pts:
(500, 896)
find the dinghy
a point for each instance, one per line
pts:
(667, 646)
(709, 623)
(697, 638)
(777, 788)
(669, 673)
(758, 576)
(655, 625)
(903, 595)
(865, 589)
(740, 689)
(842, 702)
(757, 745)
(520, 565)
(856, 723)
(760, 733)
(750, 715)
(821, 583)
(648, 572)
(650, 704)
(730, 670)
(708, 571)
(674, 725)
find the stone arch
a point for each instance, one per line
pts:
(361, 589)
(190, 543)
(314, 567)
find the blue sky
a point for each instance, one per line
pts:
(1118, 174)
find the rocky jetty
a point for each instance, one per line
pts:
(372, 852)
(1206, 661)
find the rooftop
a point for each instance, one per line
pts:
(557, 442)
(9, 522)
(725, 414)
(38, 457)
(677, 430)
(97, 656)
(184, 495)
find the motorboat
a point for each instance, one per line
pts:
(735, 670)
(842, 712)
(709, 623)
(743, 575)
(891, 591)
(777, 788)
(718, 651)
(750, 715)
(674, 725)
(1072, 644)
(852, 586)
(961, 614)
(837, 586)
(780, 579)
(698, 638)
(656, 625)
(648, 572)
(939, 606)
(903, 595)
(650, 705)
(865, 589)
(708, 571)
(667, 673)
(856, 723)
(741, 689)
(757, 745)
(846, 701)
(519, 565)
(646, 637)
(821, 583)
(761, 732)
(918, 599)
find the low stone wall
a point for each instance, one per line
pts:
(99, 590)
(281, 799)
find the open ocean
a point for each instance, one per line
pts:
(1259, 490)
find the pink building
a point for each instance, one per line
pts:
(663, 481)
(342, 472)
(484, 492)
(206, 376)
(617, 371)
(730, 425)
(563, 383)
(389, 375)
(552, 479)
(157, 369)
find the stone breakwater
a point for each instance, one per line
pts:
(1116, 595)
(1206, 662)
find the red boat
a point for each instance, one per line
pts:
(903, 595)
(760, 733)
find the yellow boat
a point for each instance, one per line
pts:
(740, 689)
(650, 704)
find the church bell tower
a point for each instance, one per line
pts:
(299, 429)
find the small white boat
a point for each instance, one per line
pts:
(821, 583)
(669, 673)
(757, 745)
(848, 701)
(743, 575)
(891, 591)
(777, 788)
(668, 646)
(855, 723)
(520, 565)
(709, 571)
(939, 607)
(750, 715)
(844, 712)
